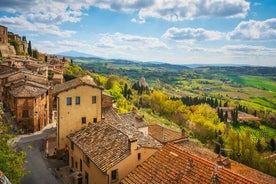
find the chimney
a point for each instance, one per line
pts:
(132, 143)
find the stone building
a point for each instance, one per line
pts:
(25, 95)
(5, 48)
(22, 43)
(3, 35)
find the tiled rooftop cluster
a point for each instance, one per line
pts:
(129, 129)
(236, 167)
(106, 143)
(24, 83)
(173, 165)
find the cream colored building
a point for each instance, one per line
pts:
(107, 151)
(76, 104)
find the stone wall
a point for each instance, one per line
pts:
(7, 50)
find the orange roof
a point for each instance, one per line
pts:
(173, 165)
(86, 80)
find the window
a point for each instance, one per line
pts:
(94, 99)
(86, 160)
(72, 162)
(76, 165)
(69, 101)
(25, 114)
(86, 178)
(77, 100)
(72, 145)
(80, 164)
(95, 120)
(139, 156)
(83, 120)
(114, 175)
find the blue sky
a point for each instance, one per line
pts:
(172, 31)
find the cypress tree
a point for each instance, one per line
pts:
(30, 51)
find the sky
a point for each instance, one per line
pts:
(172, 31)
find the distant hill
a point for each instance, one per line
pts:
(214, 65)
(73, 53)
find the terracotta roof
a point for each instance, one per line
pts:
(86, 80)
(133, 119)
(163, 134)
(236, 167)
(131, 131)
(27, 91)
(29, 76)
(21, 82)
(105, 145)
(171, 165)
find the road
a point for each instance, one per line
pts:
(41, 169)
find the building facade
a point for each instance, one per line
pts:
(76, 104)
(3, 35)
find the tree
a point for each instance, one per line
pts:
(259, 146)
(46, 58)
(30, 50)
(11, 161)
(272, 144)
(35, 54)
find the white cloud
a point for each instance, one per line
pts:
(119, 40)
(248, 50)
(254, 30)
(192, 34)
(13, 22)
(56, 11)
(179, 10)
(139, 21)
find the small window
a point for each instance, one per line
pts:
(77, 100)
(95, 120)
(76, 165)
(114, 175)
(83, 120)
(80, 164)
(139, 156)
(94, 99)
(69, 101)
(86, 178)
(72, 162)
(72, 145)
(25, 114)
